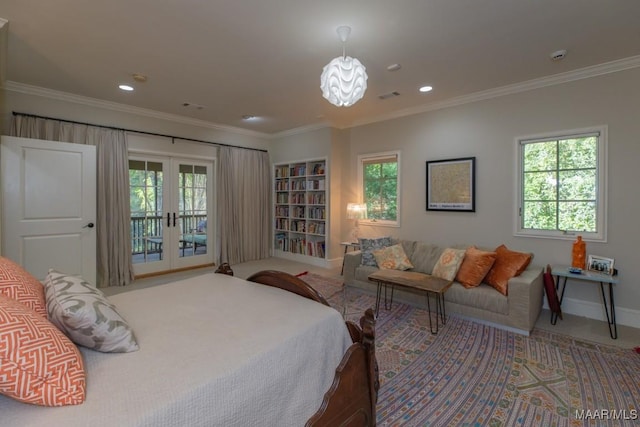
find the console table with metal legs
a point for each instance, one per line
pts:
(562, 271)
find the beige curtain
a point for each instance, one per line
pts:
(114, 264)
(244, 204)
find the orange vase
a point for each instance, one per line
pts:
(579, 253)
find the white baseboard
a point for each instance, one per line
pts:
(593, 310)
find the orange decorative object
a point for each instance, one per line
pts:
(579, 253)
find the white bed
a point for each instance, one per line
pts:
(215, 350)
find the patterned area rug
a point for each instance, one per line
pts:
(476, 375)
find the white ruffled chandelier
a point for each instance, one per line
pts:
(343, 80)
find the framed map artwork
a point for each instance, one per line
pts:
(451, 185)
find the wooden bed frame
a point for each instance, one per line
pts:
(351, 399)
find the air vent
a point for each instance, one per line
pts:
(389, 95)
(192, 105)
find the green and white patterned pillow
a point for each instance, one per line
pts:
(84, 314)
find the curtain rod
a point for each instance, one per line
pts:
(138, 131)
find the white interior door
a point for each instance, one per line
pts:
(49, 206)
(171, 207)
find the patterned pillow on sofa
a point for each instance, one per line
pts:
(392, 258)
(85, 315)
(449, 263)
(367, 246)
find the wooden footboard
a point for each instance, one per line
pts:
(351, 399)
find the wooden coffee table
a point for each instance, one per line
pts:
(412, 280)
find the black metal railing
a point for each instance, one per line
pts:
(143, 228)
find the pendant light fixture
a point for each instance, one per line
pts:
(343, 80)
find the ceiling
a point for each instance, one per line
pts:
(264, 57)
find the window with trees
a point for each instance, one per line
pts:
(380, 184)
(562, 190)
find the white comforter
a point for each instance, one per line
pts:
(214, 351)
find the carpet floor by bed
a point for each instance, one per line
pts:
(476, 375)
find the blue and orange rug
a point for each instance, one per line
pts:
(471, 374)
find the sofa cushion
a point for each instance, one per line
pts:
(475, 266)
(363, 272)
(482, 297)
(449, 263)
(367, 246)
(508, 264)
(425, 256)
(392, 258)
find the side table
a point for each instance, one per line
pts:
(589, 276)
(353, 245)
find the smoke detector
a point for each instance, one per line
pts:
(558, 55)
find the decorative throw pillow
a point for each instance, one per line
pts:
(38, 364)
(392, 258)
(508, 264)
(449, 263)
(85, 315)
(474, 267)
(18, 284)
(367, 246)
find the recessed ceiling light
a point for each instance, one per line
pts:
(426, 89)
(249, 117)
(126, 88)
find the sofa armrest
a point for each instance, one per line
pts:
(352, 260)
(525, 297)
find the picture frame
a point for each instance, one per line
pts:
(451, 185)
(599, 264)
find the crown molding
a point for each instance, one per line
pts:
(114, 106)
(556, 79)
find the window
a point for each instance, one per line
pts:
(562, 191)
(380, 185)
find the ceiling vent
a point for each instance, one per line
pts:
(193, 106)
(389, 95)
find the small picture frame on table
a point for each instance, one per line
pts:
(599, 264)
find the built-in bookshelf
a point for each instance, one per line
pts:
(300, 208)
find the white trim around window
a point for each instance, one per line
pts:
(373, 157)
(600, 234)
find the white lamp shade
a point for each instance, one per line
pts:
(356, 211)
(343, 81)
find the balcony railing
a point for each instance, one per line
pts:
(143, 228)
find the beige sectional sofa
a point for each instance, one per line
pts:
(517, 311)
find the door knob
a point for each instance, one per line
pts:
(90, 225)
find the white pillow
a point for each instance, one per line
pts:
(84, 314)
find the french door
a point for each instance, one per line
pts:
(171, 213)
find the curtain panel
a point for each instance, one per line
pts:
(114, 264)
(244, 204)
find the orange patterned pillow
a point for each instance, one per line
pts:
(18, 284)
(508, 264)
(392, 258)
(38, 363)
(475, 266)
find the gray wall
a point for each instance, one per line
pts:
(487, 130)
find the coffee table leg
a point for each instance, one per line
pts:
(441, 309)
(378, 294)
(390, 302)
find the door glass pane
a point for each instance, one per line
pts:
(145, 199)
(192, 206)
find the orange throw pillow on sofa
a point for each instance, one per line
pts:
(475, 266)
(508, 264)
